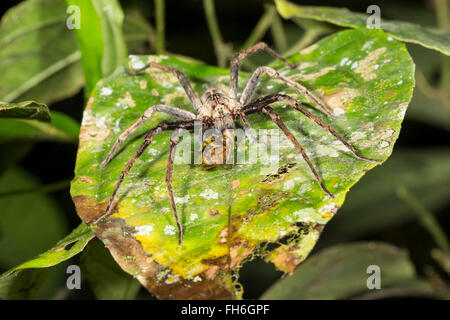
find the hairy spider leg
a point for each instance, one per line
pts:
(195, 100)
(262, 104)
(174, 140)
(276, 118)
(297, 106)
(237, 59)
(173, 111)
(147, 141)
(256, 76)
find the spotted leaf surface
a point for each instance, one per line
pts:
(230, 213)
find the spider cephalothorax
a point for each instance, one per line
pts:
(219, 110)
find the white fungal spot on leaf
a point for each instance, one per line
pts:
(136, 63)
(144, 230)
(106, 91)
(170, 230)
(289, 185)
(209, 194)
(338, 111)
(184, 199)
(328, 209)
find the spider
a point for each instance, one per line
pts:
(219, 110)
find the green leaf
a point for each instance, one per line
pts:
(340, 272)
(23, 281)
(39, 58)
(432, 38)
(11, 153)
(425, 172)
(30, 110)
(105, 277)
(62, 129)
(100, 38)
(29, 223)
(362, 73)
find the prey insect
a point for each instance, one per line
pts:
(219, 110)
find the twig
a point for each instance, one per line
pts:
(313, 30)
(426, 217)
(160, 26)
(443, 20)
(278, 35)
(221, 49)
(262, 26)
(430, 91)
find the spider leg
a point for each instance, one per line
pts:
(276, 118)
(254, 79)
(174, 140)
(244, 120)
(296, 105)
(147, 141)
(181, 78)
(236, 62)
(175, 112)
(247, 126)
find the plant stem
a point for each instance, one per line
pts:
(60, 185)
(262, 26)
(221, 49)
(313, 30)
(443, 21)
(426, 217)
(160, 26)
(278, 35)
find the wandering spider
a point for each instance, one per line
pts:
(218, 110)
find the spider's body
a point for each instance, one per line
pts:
(220, 111)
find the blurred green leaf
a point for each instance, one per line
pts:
(349, 70)
(12, 152)
(30, 110)
(39, 59)
(341, 272)
(373, 205)
(24, 284)
(23, 281)
(100, 38)
(432, 38)
(138, 31)
(106, 278)
(29, 223)
(62, 128)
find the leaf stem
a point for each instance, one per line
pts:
(43, 75)
(443, 21)
(425, 216)
(278, 34)
(221, 49)
(160, 26)
(262, 26)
